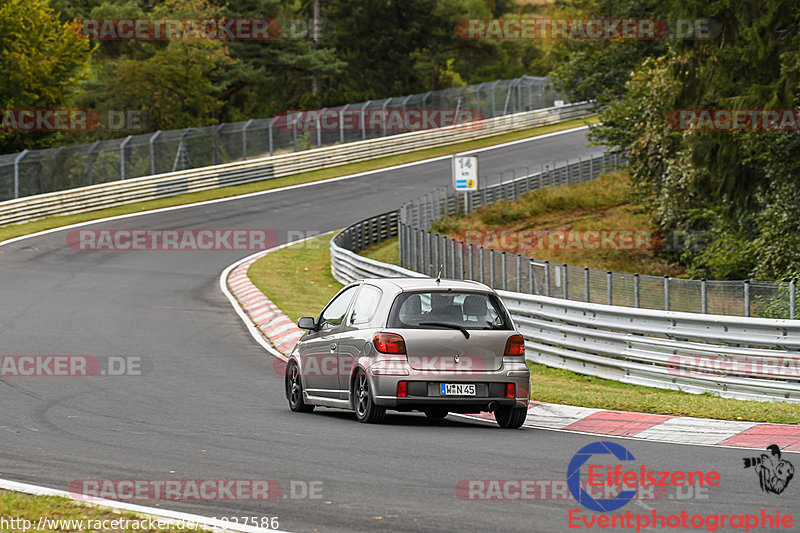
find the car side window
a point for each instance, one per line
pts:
(366, 304)
(333, 315)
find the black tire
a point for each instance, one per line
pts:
(363, 403)
(436, 413)
(510, 417)
(294, 390)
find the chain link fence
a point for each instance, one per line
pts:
(427, 252)
(34, 172)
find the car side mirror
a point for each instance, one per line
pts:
(306, 322)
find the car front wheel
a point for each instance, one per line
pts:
(510, 417)
(363, 404)
(294, 390)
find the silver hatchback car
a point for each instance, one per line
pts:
(411, 344)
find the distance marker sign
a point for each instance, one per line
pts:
(465, 172)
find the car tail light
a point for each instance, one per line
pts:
(402, 389)
(389, 343)
(511, 390)
(515, 346)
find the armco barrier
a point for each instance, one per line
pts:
(174, 183)
(744, 358)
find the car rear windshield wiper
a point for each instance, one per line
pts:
(462, 329)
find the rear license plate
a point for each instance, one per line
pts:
(457, 389)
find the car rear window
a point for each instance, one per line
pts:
(471, 310)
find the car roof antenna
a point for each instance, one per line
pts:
(439, 275)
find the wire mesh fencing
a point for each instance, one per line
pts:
(34, 172)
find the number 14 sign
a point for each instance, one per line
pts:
(465, 172)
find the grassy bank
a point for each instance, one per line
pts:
(16, 508)
(9, 232)
(297, 278)
(530, 226)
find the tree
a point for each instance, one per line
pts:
(41, 62)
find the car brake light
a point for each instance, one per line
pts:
(515, 345)
(389, 343)
(511, 390)
(402, 389)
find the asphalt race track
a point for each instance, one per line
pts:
(209, 404)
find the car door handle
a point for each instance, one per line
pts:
(332, 346)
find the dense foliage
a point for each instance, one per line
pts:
(365, 49)
(737, 193)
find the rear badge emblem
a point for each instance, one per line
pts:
(456, 358)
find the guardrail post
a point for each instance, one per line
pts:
(270, 134)
(666, 293)
(90, 162)
(53, 158)
(414, 263)
(747, 297)
(564, 287)
(480, 252)
(586, 284)
(363, 120)
(470, 270)
(547, 278)
(400, 244)
(531, 284)
(452, 257)
(150, 141)
(341, 123)
(434, 252)
(122, 146)
(609, 280)
(792, 289)
(461, 261)
(294, 134)
(215, 142)
(503, 270)
(636, 290)
(703, 296)
(319, 128)
(494, 111)
(519, 271)
(491, 267)
(244, 139)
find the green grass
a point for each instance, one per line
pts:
(14, 505)
(297, 278)
(8, 232)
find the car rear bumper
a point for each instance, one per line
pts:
(423, 389)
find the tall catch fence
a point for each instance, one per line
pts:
(33, 172)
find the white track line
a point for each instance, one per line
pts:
(165, 515)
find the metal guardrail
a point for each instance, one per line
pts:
(174, 183)
(737, 357)
(67, 167)
(744, 358)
